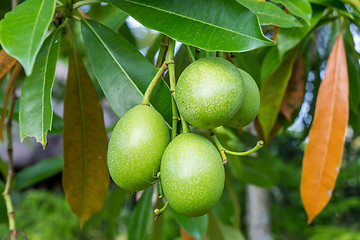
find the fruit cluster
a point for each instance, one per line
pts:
(210, 92)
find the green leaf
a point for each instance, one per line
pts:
(140, 217)
(39, 172)
(214, 25)
(270, 14)
(352, 57)
(288, 38)
(336, 4)
(248, 62)
(3, 210)
(300, 8)
(270, 63)
(122, 72)
(219, 231)
(196, 226)
(109, 16)
(85, 175)
(114, 203)
(35, 116)
(272, 93)
(23, 30)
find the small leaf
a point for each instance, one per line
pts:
(295, 90)
(270, 14)
(140, 217)
(323, 154)
(36, 113)
(85, 176)
(6, 63)
(223, 25)
(122, 72)
(39, 172)
(219, 231)
(195, 226)
(23, 30)
(300, 8)
(288, 38)
(272, 93)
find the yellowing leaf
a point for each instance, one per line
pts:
(85, 175)
(322, 159)
(6, 62)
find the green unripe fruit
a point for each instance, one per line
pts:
(136, 147)
(209, 92)
(192, 174)
(250, 105)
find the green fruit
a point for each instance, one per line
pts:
(209, 92)
(250, 105)
(192, 174)
(136, 146)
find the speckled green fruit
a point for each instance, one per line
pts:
(136, 147)
(192, 174)
(250, 105)
(209, 92)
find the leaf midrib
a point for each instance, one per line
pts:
(197, 20)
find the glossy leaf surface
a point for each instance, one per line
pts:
(123, 81)
(6, 62)
(36, 113)
(23, 30)
(300, 8)
(85, 176)
(140, 217)
(270, 14)
(323, 154)
(272, 93)
(231, 27)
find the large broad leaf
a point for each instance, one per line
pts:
(336, 4)
(195, 226)
(122, 72)
(35, 116)
(272, 93)
(288, 38)
(219, 231)
(140, 217)
(300, 8)
(85, 176)
(270, 14)
(214, 25)
(40, 171)
(23, 30)
(6, 63)
(323, 154)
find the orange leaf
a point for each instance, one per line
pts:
(322, 159)
(85, 175)
(295, 90)
(6, 62)
(186, 236)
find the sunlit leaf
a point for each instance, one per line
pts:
(300, 8)
(36, 113)
(6, 62)
(85, 176)
(23, 30)
(323, 154)
(270, 14)
(123, 81)
(223, 25)
(272, 93)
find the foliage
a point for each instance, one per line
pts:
(301, 53)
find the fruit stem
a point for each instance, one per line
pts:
(158, 212)
(162, 52)
(154, 81)
(191, 56)
(223, 150)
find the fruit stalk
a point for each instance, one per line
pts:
(162, 51)
(154, 81)
(191, 57)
